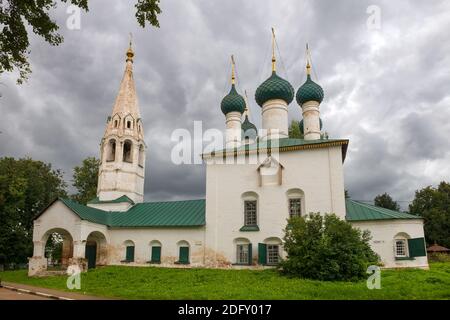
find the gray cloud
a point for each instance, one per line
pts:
(386, 90)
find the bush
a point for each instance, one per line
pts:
(326, 248)
(439, 257)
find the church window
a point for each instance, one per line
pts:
(250, 213)
(243, 252)
(116, 123)
(127, 154)
(273, 254)
(400, 248)
(295, 207)
(129, 251)
(111, 151)
(129, 124)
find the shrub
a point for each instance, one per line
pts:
(326, 248)
(439, 257)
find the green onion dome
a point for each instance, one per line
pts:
(249, 130)
(309, 91)
(274, 87)
(301, 125)
(233, 101)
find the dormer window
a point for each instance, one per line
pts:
(128, 124)
(116, 123)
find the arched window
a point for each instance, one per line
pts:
(127, 151)
(155, 251)
(183, 252)
(116, 123)
(296, 202)
(269, 252)
(111, 150)
(129, 251)
(401, 245)
(128, 124)
(243, 251)
(250, 206)
(141, 156)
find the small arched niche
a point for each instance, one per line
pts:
(111, 150)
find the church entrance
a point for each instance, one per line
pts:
(96, 250)
(91, 254)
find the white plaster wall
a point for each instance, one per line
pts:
(317, 172)
(383, 233)
(168, 237)
(275, 118)
(123, 206)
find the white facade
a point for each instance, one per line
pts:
(249, 197)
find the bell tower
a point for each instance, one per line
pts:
(122, 149)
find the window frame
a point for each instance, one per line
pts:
(405, 248)
(269, 254)
(251, 218)
(240, 251)
(292, 199)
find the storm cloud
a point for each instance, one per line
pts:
(386, 89)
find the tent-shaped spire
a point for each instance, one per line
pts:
(126, 100)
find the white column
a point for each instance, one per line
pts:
(233, 131)
(275, 119)
(311, 120)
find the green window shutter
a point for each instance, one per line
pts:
(130, 254)
(250, 254)
(262, 253)
(156, 254)
(416, 247)
(184, 255)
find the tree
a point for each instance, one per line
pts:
(346, 194)
(85, 179)
(294, 130)
(326, 248)
(15, 14)
(433, 204)
(385, 201)
(26, 188)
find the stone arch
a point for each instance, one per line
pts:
(110, 150)
(295, 198)
(128, 151)
(96, 249)
(66, 239)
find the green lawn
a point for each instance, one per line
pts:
(164, 283)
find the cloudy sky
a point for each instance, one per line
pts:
(387, 85)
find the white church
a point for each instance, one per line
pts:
(253, 186)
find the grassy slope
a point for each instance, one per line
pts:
(164, 283)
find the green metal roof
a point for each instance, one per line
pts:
(249, 130)
(232, 102)
(87, 213)
(284, 144)
(358, 211)
(121, 199)
(309, 91)
(186, 213)
(274, 87)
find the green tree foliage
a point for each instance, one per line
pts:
(385, 201)
(26, 188)
(15, 15)
(85, 179)
(433, 204)
(326, 248)
(346, 194)
(294, 130)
